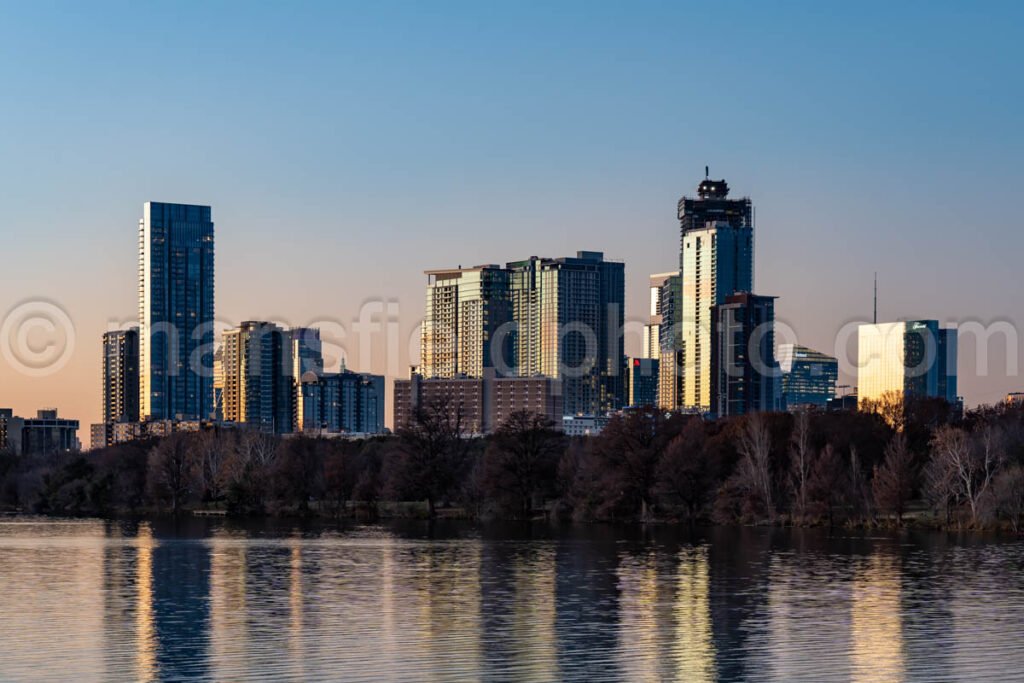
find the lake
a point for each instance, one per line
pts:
(199, 599)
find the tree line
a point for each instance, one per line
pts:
(896, 462)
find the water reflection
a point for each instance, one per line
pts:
(92, 601)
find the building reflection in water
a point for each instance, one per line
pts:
(693, 650)
(446, 594)
(876, 633)
(228, 605)
(145, 631)
(641, 616)
(180, 590)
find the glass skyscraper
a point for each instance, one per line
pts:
(716, 260)
(176, 334)
(568, 314)
(914, 358)
(808, 377)
(743, 368)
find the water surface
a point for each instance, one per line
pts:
(95, 600)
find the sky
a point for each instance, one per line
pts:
(347, 147)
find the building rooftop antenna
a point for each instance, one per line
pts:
(874, 317)
(707, 173)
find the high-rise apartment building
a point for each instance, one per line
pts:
(670, 355)
(479, 404)
(652, 329)
(568, 315)
(716, 260)
(307, 359)
(176, 313)
(907, 359)
(341, 402)
(744, 372)
(462, 330)
(121, 376)
(256, 367)
(559, 318)
(808, 377)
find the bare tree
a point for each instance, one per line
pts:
(524, 454)
(685, 470)
(629, 448)
(754, 468)
(433, 447)
(168, 475)
(891, 406)
(893, 482)
(1009, 495)
(964, 467)
(209, 455)
(800, 462)
(827, 485)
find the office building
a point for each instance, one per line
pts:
(10, 432)
(642, 380)
(743, 367)
(1015, 398)
(906, 359)
(584, 425)
(175, 311)
(48, 433)
(568, 315)
(463, 334)
(716, 260)
(341, 402)
(808, 377)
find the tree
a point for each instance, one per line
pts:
(891, 406)
(628, 450)
(523, 455)
(828, 483)
(298, 471)
(431, 453)
(754, 469)
(168, 477)
(893, 482)
(964, 466)
(209, 454)
(800, 459)
(1009, 495)
(685, 470)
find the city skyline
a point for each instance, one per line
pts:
(863, 177)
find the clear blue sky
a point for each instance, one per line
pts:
(346, 147)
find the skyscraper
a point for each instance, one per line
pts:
(256, 367)
(175, 311)
(307, 359)
(743, 367)
(341, 402)
(652, 329)
(716, 260)
(465, 309)
(808, 377)
(568, 315)
(670, 355)
(906, 359)
(121, 376)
